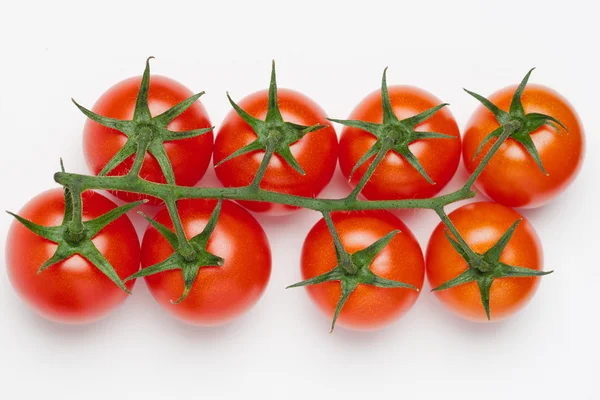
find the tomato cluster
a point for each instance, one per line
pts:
(363, 268)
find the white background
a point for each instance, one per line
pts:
(50, 52)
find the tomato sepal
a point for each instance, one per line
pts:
(180, 260)
(525, 124)
(485, 268)
(273, 135)
(353, 269)
(146, 133)
(83, 245)
(392, 134)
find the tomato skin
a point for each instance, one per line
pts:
(368, 307)
(219, 294)
(395, 178)
(74, 290)
(189, 157)
(481, 225)
(512, 177)
(316, 152)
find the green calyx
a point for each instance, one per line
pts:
(146, 133)
(80, 241)
(274, 135)
(394, 134)
(353, 269)
(485, 268)
(525, 123)
(188, 259)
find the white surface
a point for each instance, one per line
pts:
(51, 52)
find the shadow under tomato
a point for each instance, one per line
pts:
(65, 333)
(172, 326)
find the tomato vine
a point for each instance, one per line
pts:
(274, 136)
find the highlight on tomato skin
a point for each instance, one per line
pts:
(481, 225)
(395, 178)
(368, 307)
(316, 152)
(72, 291)
(189, 157)
(219, 294)
(512, 177)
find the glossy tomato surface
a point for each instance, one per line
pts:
(316, 152)
(74, 290)
(395, 178)
(512, 177)
(189, 157)
(482, 225)
(219, 294)
(368, 307)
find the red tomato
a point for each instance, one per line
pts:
(395, 178)
(316, 152)
(74, 290)
(482, 225)
(189, 157)
(368, 307)
(512, 177)
(219, 294)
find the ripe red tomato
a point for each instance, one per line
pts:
(395, 178)
(482, 225)
(73, 290)
(512, 177)
(219, 294)
(189, 157)
(368, 307)
(316, 152)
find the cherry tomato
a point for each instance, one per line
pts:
(73, 290)
(482, 225)
(219, 294)
(189, 157)
(316, 152)
(512, 177)
(395, 178)
(368, 307)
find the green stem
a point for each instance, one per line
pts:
(171, 193)
(344, 258)
(143, 144)
(509, 129)
(255, 185)
(367, 175)
(165, 191)
(75, 230)
(452, 228)
(185, 248)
